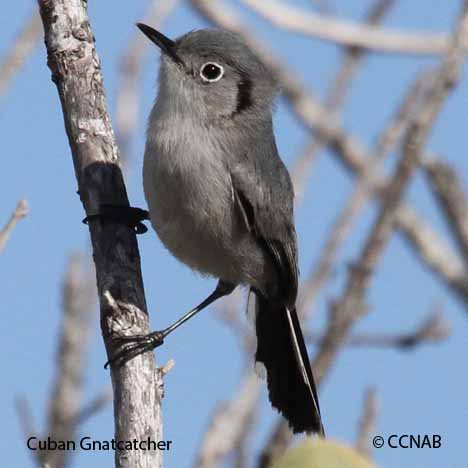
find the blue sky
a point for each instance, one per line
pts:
(419, 392)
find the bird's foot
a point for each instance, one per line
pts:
(132, 346)
(128, 215)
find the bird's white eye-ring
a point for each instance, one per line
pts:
(211, 72)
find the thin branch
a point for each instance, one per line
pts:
(351, 305)
(77, 303)
(345, 33)
(432, 250)
(93, 407)
(25, 417)
(433, 329)
(230, 313)
(447, 188)
(20, 212)
(240, 454)
(344, 312)
(345, 220)
(337, 92)
(20, 50)
(130, 66)
(367, 424)
(75, 67)
(229, 423)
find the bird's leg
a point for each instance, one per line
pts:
(128, 215)
(132, 346)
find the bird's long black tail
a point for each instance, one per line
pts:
(281, 348)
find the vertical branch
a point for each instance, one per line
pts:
(366, 427)
(75, 67)
(77, 302)
(65, 412)
(229, 423)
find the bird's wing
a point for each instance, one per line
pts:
(263, 194)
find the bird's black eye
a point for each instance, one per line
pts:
(211, 72)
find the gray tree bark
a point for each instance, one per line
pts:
(75, 67)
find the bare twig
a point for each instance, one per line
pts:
(77, 303)
(448, 191)
(432, 250)
(229, 313)
(130, 65)
(64, 414)
(93, 407)
(433, 329)
(353, 55)
(20, 212)
(352, 58)
(366, 428)
(25, 417)
(345, 33)
(351, 306)
(241, 447)
(349, 151)
(74, 63)
(345, 220)
(229, 423)
(20, 50)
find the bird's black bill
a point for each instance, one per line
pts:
(168, 46)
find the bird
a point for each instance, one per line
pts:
(221, 201)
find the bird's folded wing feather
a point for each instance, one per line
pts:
(264, 197)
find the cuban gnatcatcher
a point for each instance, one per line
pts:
(221, 201)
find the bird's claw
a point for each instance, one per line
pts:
(132, 346)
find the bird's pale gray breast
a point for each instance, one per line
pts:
(190, 198)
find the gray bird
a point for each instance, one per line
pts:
(221, 201)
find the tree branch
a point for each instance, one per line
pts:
(75, 67)
(351, 306)
(448, 191)
(20, 212)
(130, 65)
(93, 407)
(349, 151)
(77, 304)
(348, 34)
(336, 94)
(20, 50)
(433, 329)
(366, 427)
(229, 422)
(345, 220)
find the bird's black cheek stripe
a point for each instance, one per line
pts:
(244, 95)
